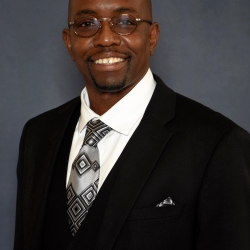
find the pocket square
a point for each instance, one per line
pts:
(167, 202)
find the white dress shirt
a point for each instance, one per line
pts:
(124, 117)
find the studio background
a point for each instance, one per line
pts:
(203, 53)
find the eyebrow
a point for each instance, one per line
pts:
(85, 12)
(124, 9)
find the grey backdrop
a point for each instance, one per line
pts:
(203, 53)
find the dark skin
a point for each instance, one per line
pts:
(107, 84)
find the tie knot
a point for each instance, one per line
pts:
(95, 131)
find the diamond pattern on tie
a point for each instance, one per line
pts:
(95, 131)
(79, 205)
(84, 177)
(83, 164)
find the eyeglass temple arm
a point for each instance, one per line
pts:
(143, 20)
(70, 24)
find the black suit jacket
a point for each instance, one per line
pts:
(181, 150)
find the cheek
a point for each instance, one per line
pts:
(79, 57)
(80, 48)
(140, 49)
(139, 45)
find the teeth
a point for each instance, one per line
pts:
(109, 60)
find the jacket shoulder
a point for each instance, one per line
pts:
(198, 121)
(186, 113)
(54, 113)
(197, 112)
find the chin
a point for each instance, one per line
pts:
(109, 86)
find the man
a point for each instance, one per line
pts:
(173, 174)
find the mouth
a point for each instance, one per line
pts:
(109, 60)
(112, 62)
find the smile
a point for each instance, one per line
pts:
(110, 60)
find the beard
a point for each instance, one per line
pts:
(113, 88)
(104, 87)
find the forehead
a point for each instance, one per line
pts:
(108, 8)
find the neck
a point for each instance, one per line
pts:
(101, 102)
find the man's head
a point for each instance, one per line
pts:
(108, 61)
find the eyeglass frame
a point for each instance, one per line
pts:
(106, 19)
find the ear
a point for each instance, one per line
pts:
(153, 37)
(67, 41)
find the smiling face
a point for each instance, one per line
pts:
(110, 62)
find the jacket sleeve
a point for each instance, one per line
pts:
(223, 212)
(19, 232)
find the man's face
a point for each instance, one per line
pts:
(108, 61)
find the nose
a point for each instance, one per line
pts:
(106, 37)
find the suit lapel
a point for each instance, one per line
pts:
(137, 162)
(56, 126)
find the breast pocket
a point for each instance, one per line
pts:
(155, 212)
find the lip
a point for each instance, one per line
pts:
(109, 67)
(115, 66)
(110, 60)
(102, 55)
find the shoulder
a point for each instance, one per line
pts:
(192, 119)
(202, 122)
(194, 112)
(55, 113)
(51, 119)
(199, 117)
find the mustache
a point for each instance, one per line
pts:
(105, 49)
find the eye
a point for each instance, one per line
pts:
(86, 24)
(124, 21)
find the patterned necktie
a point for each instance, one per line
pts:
(84, 176)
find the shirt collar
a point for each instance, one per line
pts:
(125, 113)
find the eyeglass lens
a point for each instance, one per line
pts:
(88, 26)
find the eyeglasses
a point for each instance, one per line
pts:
(122, 25)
